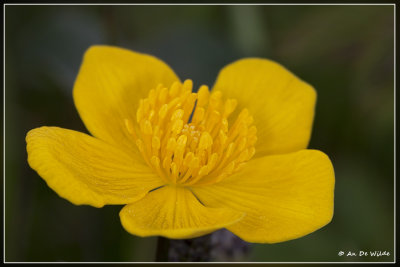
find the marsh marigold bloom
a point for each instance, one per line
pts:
(187, 163)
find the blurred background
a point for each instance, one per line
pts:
(345, 52)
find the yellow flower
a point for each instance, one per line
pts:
(186, 164)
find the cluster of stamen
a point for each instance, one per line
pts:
(186, 138)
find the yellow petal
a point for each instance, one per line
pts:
(174, 212)
(85, 170)
(282, 105)
(284, 196)
(110, 83)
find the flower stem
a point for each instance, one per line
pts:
(184, 250)
(219, 246)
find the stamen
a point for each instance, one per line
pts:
(201, 151)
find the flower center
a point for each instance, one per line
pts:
(186, 136)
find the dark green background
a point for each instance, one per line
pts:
(345, 52)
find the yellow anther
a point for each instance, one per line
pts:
(194, 163)
(177, 126)
(205, 141)
(188, 106)
(155, 142)
(222, 137)
(242, 130)
(140, 145)
(145, 127)
(244, 113)
(252, 151)
(229, 169)
(249, 120)
(202, 96)
(162, 97)
(213, 120)
(146, 106)
(212, 161)
(190, 101)
(183, 97)
(229, 150)
(252, 130)
(215, 116)
(240, 166)
(174, 171)
(252, 140)
(151, 115)
(224, 125)
(152, 97)
(158, 88)
(178, 114)
(202, 154)
(171, 144)
(163, 111)
(198, 115)
(155, 161)
(157, 131)
(139, 112)
(193, 144)
(243, 155)
(221, 177)
(129, 126)
(174, 103)
(203, 170)
(166, 164)
(178, 155)
(182, 140)
(230, 106)
(215, 99)
(188, 158)
(187, 85)
(242, 143)
(176, 86)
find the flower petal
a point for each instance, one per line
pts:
(285, 196)
(282, 105)
(85, 170)
(174, 212)
(110, 83)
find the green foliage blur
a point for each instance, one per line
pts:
(346, 52)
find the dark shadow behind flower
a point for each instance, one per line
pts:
(220, 246)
